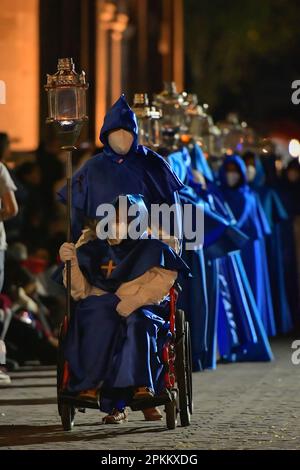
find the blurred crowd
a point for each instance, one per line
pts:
(31, 303)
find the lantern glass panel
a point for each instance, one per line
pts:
(155, 134)
(196, 126)
(144, 130)
(81, 103)
(51, 103)
(66, 103)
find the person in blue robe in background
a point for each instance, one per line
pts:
(276, 216)
(193, 295)
(250, 218)
(119, 323)
(199, 294)
(241, 335)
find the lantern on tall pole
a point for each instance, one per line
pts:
(66, 92)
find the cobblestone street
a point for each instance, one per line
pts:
(240, 406)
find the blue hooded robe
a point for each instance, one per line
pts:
(250, 218)
(198, 302)
(276, 215)
(107, 175)
(241, 335)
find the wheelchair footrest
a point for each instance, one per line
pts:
(77, 402)
(151, 402)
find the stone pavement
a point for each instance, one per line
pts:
(239, 406)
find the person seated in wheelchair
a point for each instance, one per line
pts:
(120, 318)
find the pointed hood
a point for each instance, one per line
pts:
(136, 201)
(260, 176)
(200, 164)
(178, 162)
(240, 165)
(119, 116)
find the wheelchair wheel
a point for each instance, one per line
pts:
(183, 369)
(171, 414)
(67, 415)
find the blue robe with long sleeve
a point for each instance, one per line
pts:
(250, 218)
(199, 302)
(241, 335)
(276, 215)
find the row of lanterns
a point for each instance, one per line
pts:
(172, 120)
(175, 119)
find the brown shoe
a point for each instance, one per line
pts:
(116, 417)
(89, 394)
(142, 392)
(152, 414)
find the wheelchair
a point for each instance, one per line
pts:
(177, 393)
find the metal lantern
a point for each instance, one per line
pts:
(170, 103)
(211, 138)
(142, 111)
(233, 134)
(195, 119)
(155, 130)
(147, 117)
(66, 91)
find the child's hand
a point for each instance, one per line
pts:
(67, 252)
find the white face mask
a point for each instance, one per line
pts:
(232, 177)
(251, 173)
(120, 141)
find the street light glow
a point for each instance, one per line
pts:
(294, 148)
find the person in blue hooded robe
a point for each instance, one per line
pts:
(241, 334)
(119, 323)
(199, 294)
(250, 218)
(122, 167)
(276, 216)
(193, 295)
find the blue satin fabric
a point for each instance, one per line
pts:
(209, 358)
(276, 216)
(193, 296)
(199, 163)
(107, 175)
(240, 333)
(250, 218)
(199, 295)
(193, 300)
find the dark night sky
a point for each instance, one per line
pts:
(243, 56)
